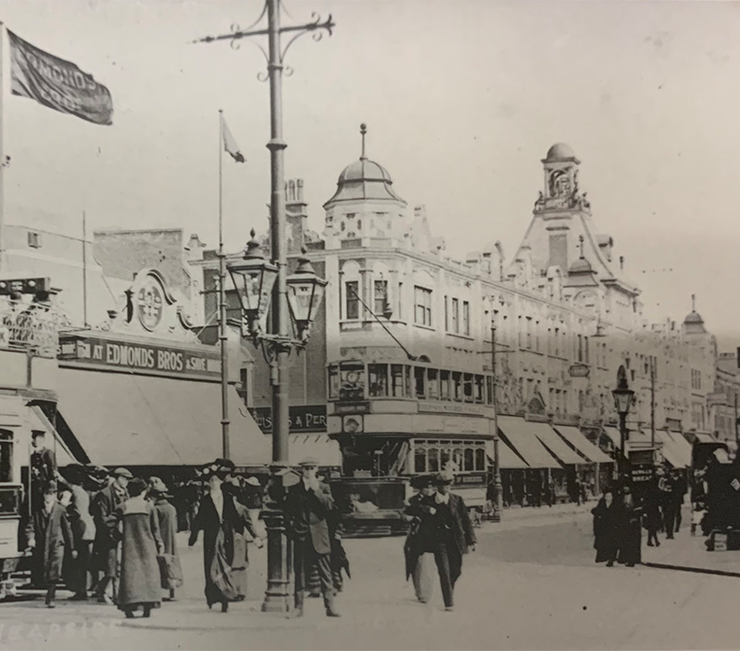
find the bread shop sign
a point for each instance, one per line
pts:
(138, 357)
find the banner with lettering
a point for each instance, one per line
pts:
(57, 84)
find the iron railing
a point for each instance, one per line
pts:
(33, 327)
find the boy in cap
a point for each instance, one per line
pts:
(453, 535)
(107, 531)
(307, 507)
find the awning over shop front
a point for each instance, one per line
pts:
(682, 446)
(523, 438)
(318, 446)
(508, 459)
(134, 420)
(555, 444)
(703, 437)
(575, 437)
(669, 451)
(613, 434)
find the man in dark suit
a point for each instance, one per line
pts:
(43, 468)
(104, 509)
(307, 506)
(453, 535)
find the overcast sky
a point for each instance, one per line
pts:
(462, 100)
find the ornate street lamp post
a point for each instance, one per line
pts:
(279, 342)
(623, 397)
(254, 279)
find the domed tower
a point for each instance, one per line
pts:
(365, 203)
(561, 180)
(693, 324)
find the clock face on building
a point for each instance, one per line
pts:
(149, 303)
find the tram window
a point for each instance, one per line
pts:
(444, 458)
(420, 460)
(6, 457)
(469, 459)
(397, 381)
(333, 382)
(378, 380)
(433, 460)
(407, 374)
(444, 385)
(419, 373)
(432, 384)
(457, 457)
(480, 459)
(457, 387)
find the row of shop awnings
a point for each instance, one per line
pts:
(676, 450)
(120, 419)
(528, 444)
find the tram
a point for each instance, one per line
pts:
(396, 421)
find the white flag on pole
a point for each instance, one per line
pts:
(230, 145)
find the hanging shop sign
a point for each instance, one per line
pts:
(140, 356)
(303, 419)
(579, 370)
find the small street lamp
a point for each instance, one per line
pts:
(254, 279)
(623, 397)
(305, 293)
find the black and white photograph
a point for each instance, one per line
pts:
(369, 325)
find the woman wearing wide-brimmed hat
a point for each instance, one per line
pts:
(219, 520)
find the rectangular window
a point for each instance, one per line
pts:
(432, 384)
(397, 380)
(489, 389)
(419, 374)
(423, 304)
(352, 304)
(480, 459)
(468, 387)
(400, 300)
(444, 385)
(6, 457)
(469, 459)
(420, 459)
(380, 296)
(378, 374)
(447, 315)
(520, 332)
(556, 341)
(466, 318)
(408, 376)
(529, 333)
(479, 389)
(454, 316)
(537, 336)
(457, 387)
(586, 354)
(34, 240)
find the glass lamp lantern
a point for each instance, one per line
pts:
(305, 293)
(253, 279)
(623, 395)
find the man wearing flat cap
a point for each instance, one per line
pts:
(307, 506)
(453, 535)
(107, 531)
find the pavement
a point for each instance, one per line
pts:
(530, 584)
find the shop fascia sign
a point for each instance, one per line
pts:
(141, 357)
(302, 418)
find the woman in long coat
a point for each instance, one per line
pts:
(140, 582)
(630, 530)
(605, 529)
(219, 519)
(166, 515)
(240, 562)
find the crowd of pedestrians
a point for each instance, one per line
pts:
(619, 517)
